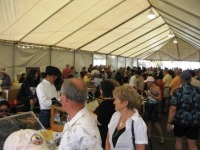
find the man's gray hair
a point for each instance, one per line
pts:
(74, 92)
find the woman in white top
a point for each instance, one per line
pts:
(124, 120)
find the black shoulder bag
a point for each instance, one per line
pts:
(133, 137)
(133, 134)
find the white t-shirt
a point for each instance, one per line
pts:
(95, 71)
(81, 133)
(124, 141)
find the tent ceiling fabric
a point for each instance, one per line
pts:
(183, 18)
(182, 51)
(114, 27)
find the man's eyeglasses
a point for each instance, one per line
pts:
(4, 110)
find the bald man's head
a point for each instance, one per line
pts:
(75, 89)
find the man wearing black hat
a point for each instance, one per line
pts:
(184, 113)
(47, 94)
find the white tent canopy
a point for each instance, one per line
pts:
(43, 32)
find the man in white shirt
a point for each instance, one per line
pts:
(134, 80)
(80, 132)
(47, 95)
(95, 71)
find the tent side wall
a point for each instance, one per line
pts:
(7, 58)
(16, 59)
(82, 59)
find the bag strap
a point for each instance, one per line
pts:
(133, 134)
(150, 144)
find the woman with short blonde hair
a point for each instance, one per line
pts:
(126, 93)
(126, 122)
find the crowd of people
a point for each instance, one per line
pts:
(118, 118)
